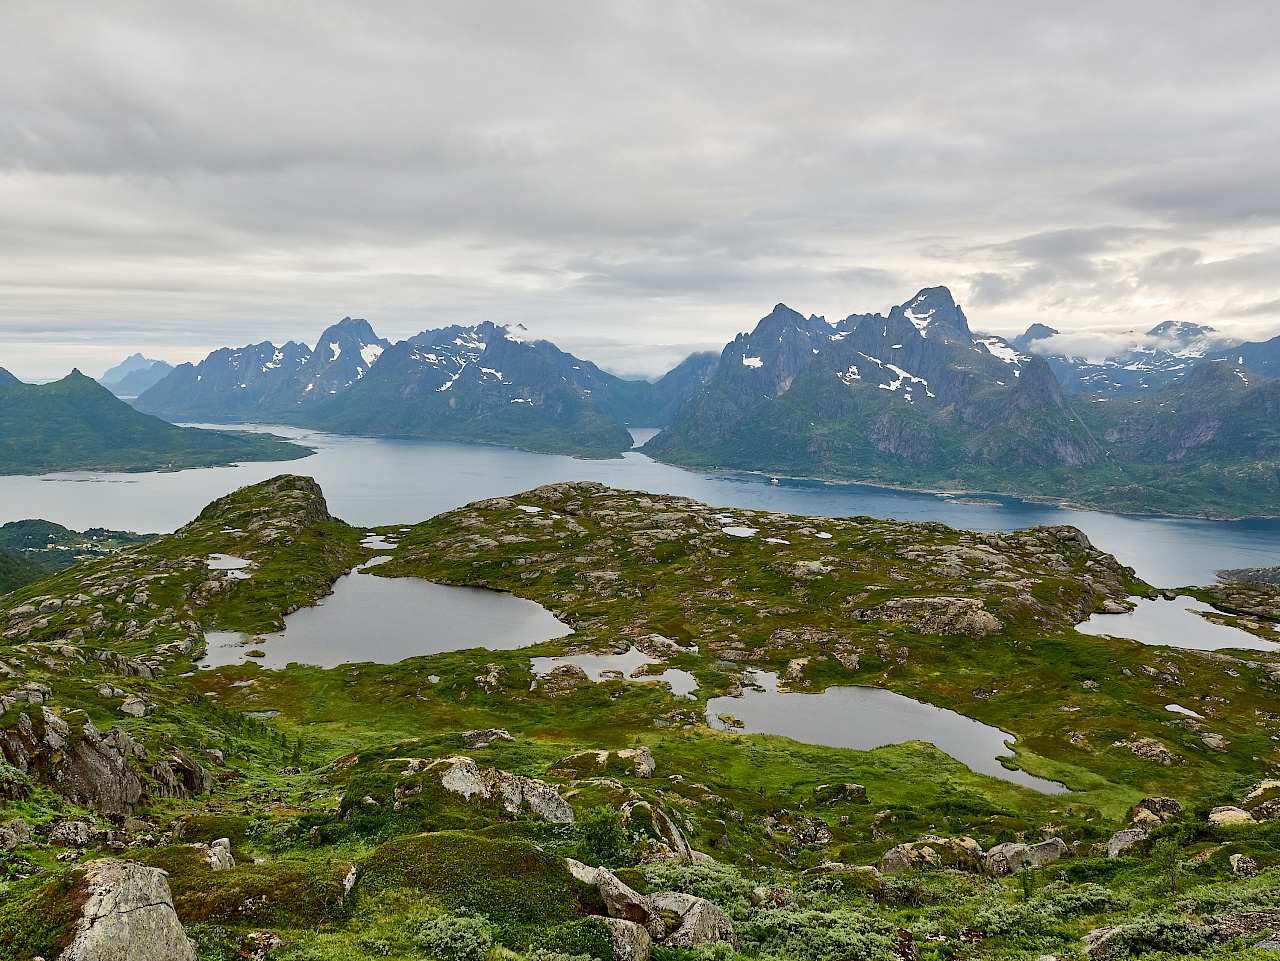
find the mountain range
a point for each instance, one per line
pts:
(1159, 356)
(133, 375)
(77, 424)
(916, 399)
(483, 383)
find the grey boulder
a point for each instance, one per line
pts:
(128, 916)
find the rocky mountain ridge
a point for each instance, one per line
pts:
(483, 383)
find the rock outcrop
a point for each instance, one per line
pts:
(1123, 840)
(128, 916)
(701, 922)
(1012, 857)
(932, 851)
(630, 905)
(630, 941)
(462, 776)
(90, 770)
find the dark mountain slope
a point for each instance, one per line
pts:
(76, 423)
(915, 399)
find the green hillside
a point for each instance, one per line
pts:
(77, 424)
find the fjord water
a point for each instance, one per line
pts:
(378, 481)
(863, 718)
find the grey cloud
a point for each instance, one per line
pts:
(178, 175)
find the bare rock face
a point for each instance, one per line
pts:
(462, 776)
(128, 916)
(90, 771)
(630, 941)
(180, 776)
(642, 762)
(629, 905)
(1263, 801)
(701, 922)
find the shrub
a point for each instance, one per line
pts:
(586, 937)
(714, 882)
(510, 881)
(810, 935)
(602, 838)
(1155, 933)
(455, 937)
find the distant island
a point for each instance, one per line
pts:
(77, 424)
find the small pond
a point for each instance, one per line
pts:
(1174, 624)
(682, 683)
(863, 718)
(387, 619)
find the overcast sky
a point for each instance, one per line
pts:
(631, 180)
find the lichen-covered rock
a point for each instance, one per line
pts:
(941, 615)
(1263, 801)
(701, 922)
(630, 941)
(479, 739)
(641, 758)
(1012, 857)
(629, 905)
(1152, 812)
(932, 851)
(1243, 865)
(772, 897)
(220, 858)
(564, 678)
(128, 916)
(1228, 816)
(14, 833)
(462, 776)
(1123, 840)
(72, 834)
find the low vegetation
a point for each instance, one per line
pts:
(357, 833)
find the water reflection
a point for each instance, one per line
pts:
(1174, 624)
(864, 718)
(387, 619)
(380, 481)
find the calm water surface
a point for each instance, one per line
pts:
(863, 718)
(1174, 624)
(375, 482)
(387, 619)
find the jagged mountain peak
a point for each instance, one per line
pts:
(934, 312)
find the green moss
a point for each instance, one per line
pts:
(38, 919)
(511, 882)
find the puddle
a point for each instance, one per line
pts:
(387, 619)
(1173, 624)
(234, 566)
(378, 542)
(864, 718)
(683, 684)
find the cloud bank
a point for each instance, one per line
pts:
(634, 181)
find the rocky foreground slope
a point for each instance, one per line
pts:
(463, 805)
